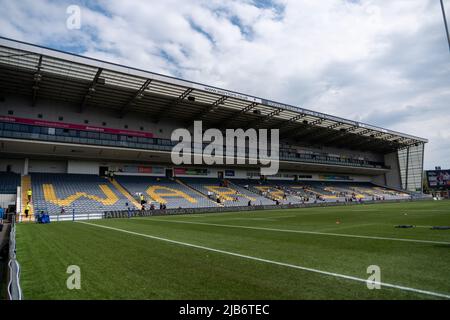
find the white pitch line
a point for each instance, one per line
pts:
(332, 274)
(280, 217)
(251, 219)
(300, 231)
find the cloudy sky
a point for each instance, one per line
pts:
(382, 62)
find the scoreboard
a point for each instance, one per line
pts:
(438, 179)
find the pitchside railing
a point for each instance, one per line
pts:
(157, 212)
(74, 216)
(14, 289)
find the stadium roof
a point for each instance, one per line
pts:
(44, 73)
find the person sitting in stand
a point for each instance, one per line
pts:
(152, 207)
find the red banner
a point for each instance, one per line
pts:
(78, 127)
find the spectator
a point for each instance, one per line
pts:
(27, 210)
(63, 211)
(2, 213)
(40, 216)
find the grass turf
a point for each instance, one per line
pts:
(117, 265)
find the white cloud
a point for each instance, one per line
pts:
(382, 62)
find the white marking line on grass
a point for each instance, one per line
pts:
(251, 219)
(280, 217)
(332, 274)
(300, 231)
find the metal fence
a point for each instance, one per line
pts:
(14, 289)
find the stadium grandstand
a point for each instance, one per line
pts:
(84, 136)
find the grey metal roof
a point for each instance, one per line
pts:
(46, 73)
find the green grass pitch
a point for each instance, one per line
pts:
(256, 257)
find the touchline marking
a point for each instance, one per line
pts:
(332, 274)
(300, 231)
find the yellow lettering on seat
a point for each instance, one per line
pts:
(277, 194)
(226, 193)
(167, 192)
(50, 196)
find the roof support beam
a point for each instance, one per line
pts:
(304, 126)
(172, 105)
(341, 134)
(91, 90)
(390, 136)
(266, 118)
(399, 139)
(137, 96)
(310, 129)
(382, 144)
(379, 134)
(37, 80)
(334, 126)
(354, 128)
(213, 106)
(285, 123)
(362, 133)
(224, 122)
(330, 132)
